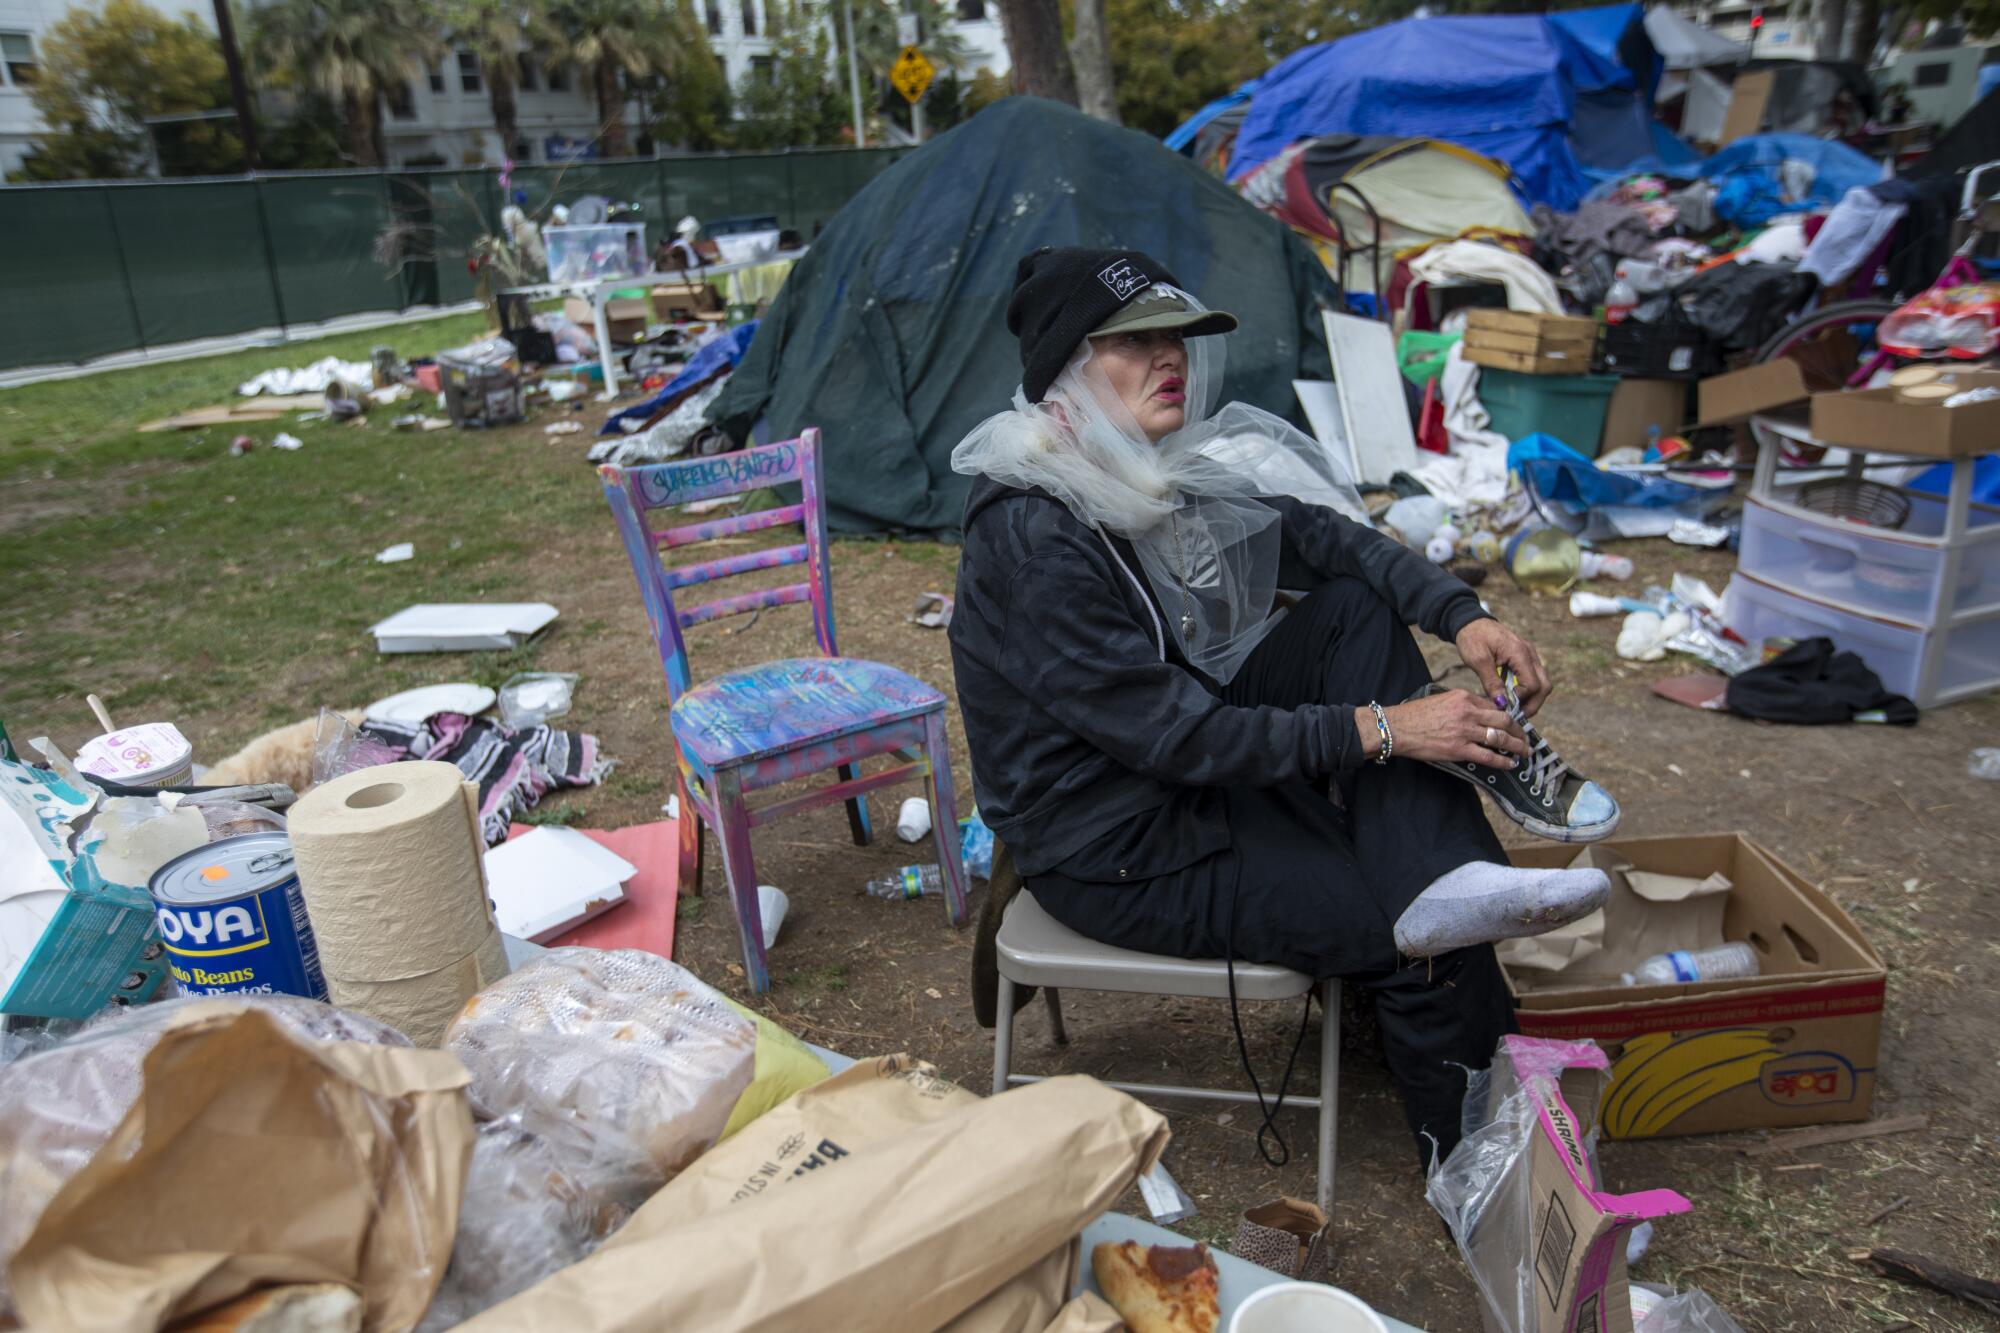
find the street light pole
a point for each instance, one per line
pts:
(853, 72)
(239, 90)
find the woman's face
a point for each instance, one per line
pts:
(1148, 371)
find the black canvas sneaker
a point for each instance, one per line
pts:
(1542, 794)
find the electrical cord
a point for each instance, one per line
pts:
(1269, 1127)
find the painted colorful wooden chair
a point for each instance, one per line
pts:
(745, 730)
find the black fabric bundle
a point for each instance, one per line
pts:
(1811, 683)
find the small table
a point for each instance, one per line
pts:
(598, 290)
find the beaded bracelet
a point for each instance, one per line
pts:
(1388, 740)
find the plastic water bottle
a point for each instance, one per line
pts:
(1620, 302)
(1679, 965)
(909, 882)
(1597, 565)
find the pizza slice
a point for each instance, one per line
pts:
(1159, 1288)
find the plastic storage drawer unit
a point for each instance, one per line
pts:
(1872, 570)
(1962, 661)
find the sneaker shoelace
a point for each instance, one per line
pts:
(1544, 769)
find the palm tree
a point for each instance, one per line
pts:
(498, 32)
(353, 51)
(875, 36)
(608, 37)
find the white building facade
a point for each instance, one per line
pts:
(445, 117)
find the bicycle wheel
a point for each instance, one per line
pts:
(1830, 345)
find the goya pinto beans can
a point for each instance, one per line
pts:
(232, 920)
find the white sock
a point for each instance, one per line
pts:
(1481, 902)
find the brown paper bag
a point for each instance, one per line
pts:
(908, 1232)
(1088, 1313)
(873, 1101)
(254, 1158)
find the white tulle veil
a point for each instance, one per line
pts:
(1208, 548)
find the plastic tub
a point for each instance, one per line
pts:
(1867, 569)
(613, 250)
(1569, 407)
(1967, 659)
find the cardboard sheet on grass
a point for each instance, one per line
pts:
(253, 1158)
(884, 1198)
(1795, 1045)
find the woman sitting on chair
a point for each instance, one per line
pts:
(1157, 745)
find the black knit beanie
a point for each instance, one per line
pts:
(1061, 295)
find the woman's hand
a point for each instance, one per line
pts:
(1454, 727)
(1487, 646)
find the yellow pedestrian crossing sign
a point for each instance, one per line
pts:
(912, 74)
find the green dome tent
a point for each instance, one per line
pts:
(891, 335)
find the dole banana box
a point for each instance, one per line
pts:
(1796, 1045)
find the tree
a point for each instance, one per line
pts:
(353, 51)
(617, 40)
(691, 110)
(1170, 57)
(104, 74)
(1090, 58)
(875, 37)
(798, 105)
(1034, 33)
(499, 32)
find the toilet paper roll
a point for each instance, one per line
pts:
(421, 1008)
(392, 867)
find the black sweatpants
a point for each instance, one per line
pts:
(1316, 887)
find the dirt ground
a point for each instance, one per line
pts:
(1886, 818)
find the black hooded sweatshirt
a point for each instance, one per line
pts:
(1095, 747)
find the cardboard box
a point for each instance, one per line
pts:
(1742, 394)
(625, 317)
(1638, 407)
(1873, 419)
(1529, 342)
(1794, 1046)
(683, 302)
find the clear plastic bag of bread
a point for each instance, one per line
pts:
(59, 1103)
(624, 1063)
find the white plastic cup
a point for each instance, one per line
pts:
(913, 820)
(772, 904)
(1304, 1307)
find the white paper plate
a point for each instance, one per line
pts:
(411, 707)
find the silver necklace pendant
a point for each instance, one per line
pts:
(1187, 628)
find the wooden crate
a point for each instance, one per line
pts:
(1534, 344)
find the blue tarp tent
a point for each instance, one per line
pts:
(1183, 135)
(1548, 94)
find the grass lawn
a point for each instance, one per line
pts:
(174, 579)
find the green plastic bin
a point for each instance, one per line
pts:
(1569, 407)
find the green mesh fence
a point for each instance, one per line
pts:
(93, 269)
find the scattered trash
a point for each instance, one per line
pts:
(1596, 565)
(1985, 763)
(550, 880)
(395, 555)
(975, 846)
(913, 820)
(1693, 532)
(1658, 1309)
(241, 445)
(1646, 634)
(1439, 549)
(412, 707)
(1510, 1176)
(533, 697)
(1703, 691)
(152, 754)
(456, 627)
(394, 393)
(1416, 518)
(772, 904)
(666, 438)
(909, 882)
(932, 611)
(1638, 1242)
(1585, 605)
(283, 440)
(561, 391)
(1544, 559)
(563, 428)
(312, 379)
